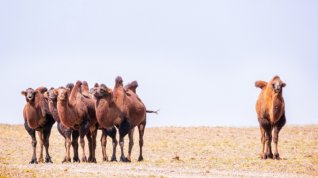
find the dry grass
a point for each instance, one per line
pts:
(173, 152)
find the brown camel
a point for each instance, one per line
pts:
(132, 113)
(125, 111)
(106, 114)
(64, 131)
(270, 109)
(38, 118)
(74, 113)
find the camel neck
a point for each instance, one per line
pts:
(73, 94)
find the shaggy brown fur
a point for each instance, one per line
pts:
(74, 113)
(270, 109)
(38, 118)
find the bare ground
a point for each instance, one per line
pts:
(173, 152)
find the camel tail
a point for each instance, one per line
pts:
(150, 111)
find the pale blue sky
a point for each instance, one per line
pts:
(196, 61)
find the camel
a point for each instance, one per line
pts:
(111, 132)
(64, 131)
(270, 109)
(75, 113)
(38, 118)
(123, 109)
(89, 100)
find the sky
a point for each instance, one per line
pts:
(196, 61)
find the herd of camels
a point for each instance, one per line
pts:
(80, 111)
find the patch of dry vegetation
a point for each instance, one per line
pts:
(172, 152)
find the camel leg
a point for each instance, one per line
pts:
(262, 142)
(40, 134)
(90, 146)
(266, 126)
(103, 141)
(61, 131)
(279, 125)
(75, 136)
(124, 128)
(131, 142)
(31, 132)
(46, 135)
(268, 140)
(68, 133)
(112, 134)
(84, 129)
(82, 142)
(141, 129)
(93, 136)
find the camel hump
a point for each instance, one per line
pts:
(85, 89)
(260, 84)
(118, 81)
(132, 86)
(70, 86)
(42, 90)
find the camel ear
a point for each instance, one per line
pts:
(260, 84)
(23, 93)
(96, 85)
(283, 84)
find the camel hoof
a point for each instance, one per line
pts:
(140, 158)
(76, 159)
(124, 159)
(268, 155)
(48, 160)
(105, 159)
(33, 161)
(93, 160)
(84, 159)
(41, 160)
(66, 160)
(113, 159)
(276, 156)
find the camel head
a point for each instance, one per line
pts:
(277, 84)
(51, 95)
(62, 93)
(29, 94)
(101, 91)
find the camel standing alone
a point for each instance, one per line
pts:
(38, 118)
(270, 109)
